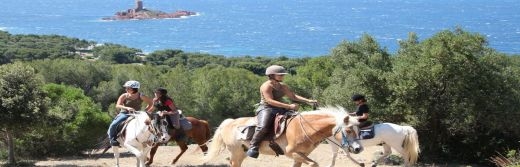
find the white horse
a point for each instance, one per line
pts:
(403, 139)
(138, 138)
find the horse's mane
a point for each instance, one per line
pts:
(141, 114)
(337, 111)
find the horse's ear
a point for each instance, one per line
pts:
(346, 119)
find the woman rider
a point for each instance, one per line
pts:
(166, 106)
(128, 102)
(271, 92)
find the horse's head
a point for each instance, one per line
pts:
(347, 132)
(163, 129)
(157, 126)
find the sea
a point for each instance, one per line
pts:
(291, 28)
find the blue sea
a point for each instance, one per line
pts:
(293, 28)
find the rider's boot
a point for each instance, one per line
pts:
(113, 141)
(112, 137)
(260, 132)
(180, 134)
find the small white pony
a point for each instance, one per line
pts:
(403, 139)
(138, 138)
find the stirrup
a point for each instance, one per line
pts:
(114, 142)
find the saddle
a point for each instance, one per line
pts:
(183, 122)
(367, 131)
(280, 126)
(121, 128)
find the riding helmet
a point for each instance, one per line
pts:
(357, 97)
(275, 69)
(132, 84)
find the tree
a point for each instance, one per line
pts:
(361, 68)
(458, 92)
(159, 57)
(82, 74)
(118, 54)
(74, 123)
(21, 101)
(221, 93)
(313, 77)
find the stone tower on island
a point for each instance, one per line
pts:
(138, 5)
(139, 12)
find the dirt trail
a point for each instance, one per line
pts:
(193, 158)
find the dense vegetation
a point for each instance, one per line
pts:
(461, 95)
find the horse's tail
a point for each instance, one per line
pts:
(206, 127)
(103, 144)
(217, 142)
(411, 145)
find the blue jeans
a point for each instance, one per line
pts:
(112, 129)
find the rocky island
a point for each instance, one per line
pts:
(140, 13)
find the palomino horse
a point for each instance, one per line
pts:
(303, 134)
(403, 139)
(138, 138)
(200, 133)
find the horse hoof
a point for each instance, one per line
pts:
(362, 164)
(374, 165)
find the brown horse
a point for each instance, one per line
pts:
(200, 133)
(303, 134)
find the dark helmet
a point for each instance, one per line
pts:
(357, 97)
(162, 91)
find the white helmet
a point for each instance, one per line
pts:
(132, 84)
(275, 69)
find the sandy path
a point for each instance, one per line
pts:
(193, 158)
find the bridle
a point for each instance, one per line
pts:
(344, 139)
(153, 129)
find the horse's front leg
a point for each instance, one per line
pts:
(152, 154)
(296, 164)
(116, 154)
(352, 159)
(133, 149)
(387, 151)
(334, 150)
(138, 162)
(141, 159)
(302, 158)
(183, 147)
(138, 151)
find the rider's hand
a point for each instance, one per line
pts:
(130, 109)
(294, 107)
(312, 102)
(161, 113)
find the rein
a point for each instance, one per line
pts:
(320, 134)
